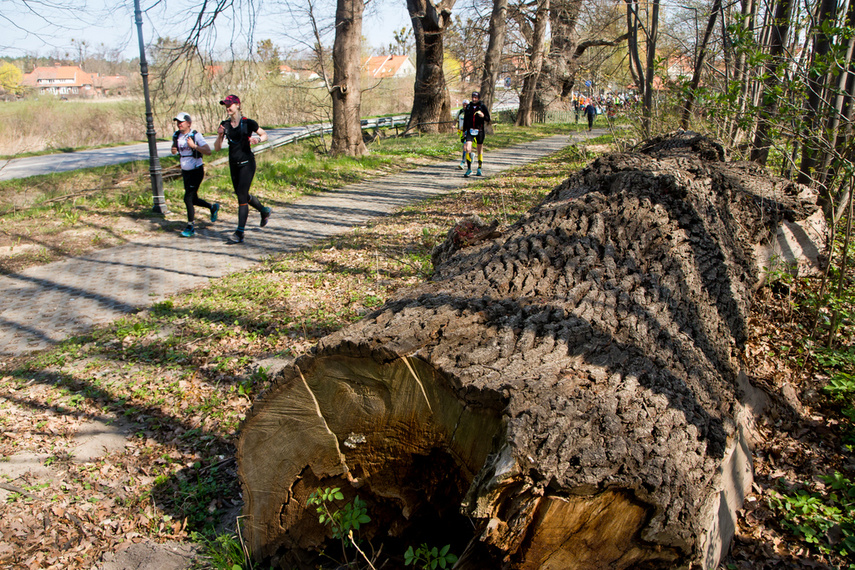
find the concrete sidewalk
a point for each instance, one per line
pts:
(44, 305)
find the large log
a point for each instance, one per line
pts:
(566, 395)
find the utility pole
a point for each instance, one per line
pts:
(159, 202)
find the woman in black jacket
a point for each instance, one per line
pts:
(241, 134)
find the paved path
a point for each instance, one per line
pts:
(44, 305)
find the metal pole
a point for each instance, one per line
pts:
(158, 201)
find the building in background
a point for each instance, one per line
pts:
(71, 80)
(386, 66)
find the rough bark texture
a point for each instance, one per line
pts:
(571, 386)
(772, 78)
(699, 66)
(559, 67)
(493, 55)
(538, 47)
(558, 76)
(346, 95)
(647, 94)
(431, 111)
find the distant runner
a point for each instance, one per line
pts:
(190, 146)
(591, 113)
(475, 117)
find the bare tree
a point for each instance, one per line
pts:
(826, 10)
(633, 23)
(431, 105)
(538, 46)
(573, 32)
(48, 17)
(647, 99)
(493, 56)
(699, 65)
(772, 76)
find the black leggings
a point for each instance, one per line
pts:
(192, 181)
(242, 175)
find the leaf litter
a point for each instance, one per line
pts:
(183, 375)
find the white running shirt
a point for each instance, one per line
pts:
(186, 153)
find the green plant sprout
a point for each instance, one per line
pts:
(429, 558)
(344, 521)
(824, 522)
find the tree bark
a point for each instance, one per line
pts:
(699, 66)
(826, 12)
(538, 47)
(779, 31)
(493, 57)
(563, 45)
(570, 388)
(649, 72)
(635, 67)
(560, 65)
(741, 72)
(839, 122)
(346, 94)
(431, 104)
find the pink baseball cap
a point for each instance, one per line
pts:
(230, 99)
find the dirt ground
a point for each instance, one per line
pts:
(88, 509)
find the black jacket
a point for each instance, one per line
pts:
(473, 121)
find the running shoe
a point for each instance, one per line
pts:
(478, 172)
(215, 210)
(188, 232)
(265, 215)
(236, 237)
(467, 173)
(462, 165)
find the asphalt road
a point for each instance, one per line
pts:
(63, 162)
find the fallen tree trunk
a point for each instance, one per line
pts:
(566, 395)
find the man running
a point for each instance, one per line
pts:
(475, 117)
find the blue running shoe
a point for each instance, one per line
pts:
(467, 173)
(462, 165)
(265, 215)
(215, 210)
(188, 232)
(478, 172)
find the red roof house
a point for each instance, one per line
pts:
(383, 66)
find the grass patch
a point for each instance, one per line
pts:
(184, 372)
(51, 217)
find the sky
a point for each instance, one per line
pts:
(43, 27)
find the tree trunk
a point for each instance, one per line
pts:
(699, 66)
(538, 46)
(741, 73)
(773, 69)
(570, 388)
(839, 121)
(560, 65)
(649, 72)
(346, 94)
(493, 57)
(563, 44)
(826, 12)
(635, 67)
(431, 104)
